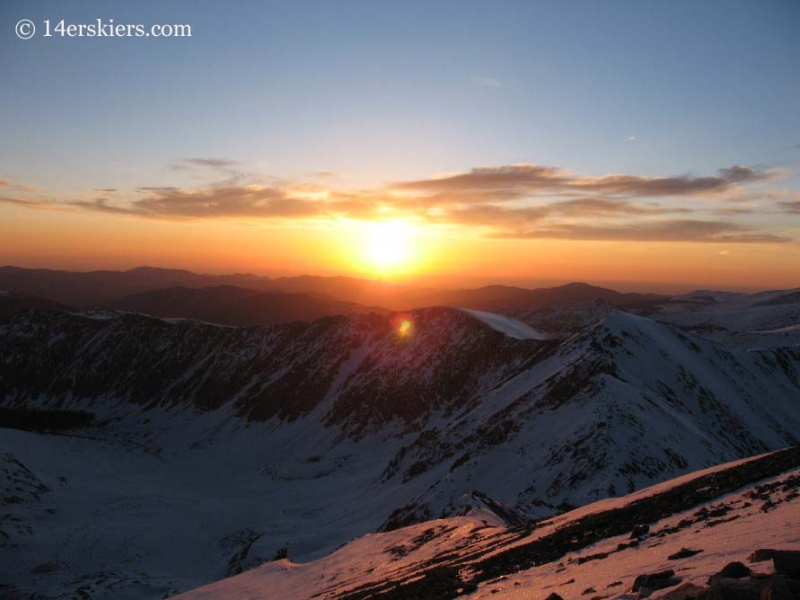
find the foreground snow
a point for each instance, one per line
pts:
(745, 529)
(746, 522)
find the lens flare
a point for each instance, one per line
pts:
(404, 328)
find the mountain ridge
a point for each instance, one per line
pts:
(311, 434)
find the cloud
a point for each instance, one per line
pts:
(675, 230)
(15, 186)
(211, 162)
(524, 177)
(490, 82)
(509, 201)
(511, 217)
(488, 215)
(27, 202)
(740, 173)
(22, 194)
(599, 206)
(732, 211)
(513, 181)
(631, 138)
(174, 203)
(300, 202)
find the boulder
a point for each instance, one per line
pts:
(640, 531)
(683, 553)
(734, 570)
(761, 555)
(781, 588)
(647, 584)
(787, 562)
(685, 591)
(727, 588)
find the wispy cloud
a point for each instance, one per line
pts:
(211, 162)
(487, 82)
(14, 186)
(523, 201)
(676, 230)
(791, 207)
(513, 180)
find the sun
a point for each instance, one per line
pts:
(386, 245)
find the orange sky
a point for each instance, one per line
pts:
(445, 256)
(533, 143)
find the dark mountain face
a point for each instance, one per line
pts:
(12, 303)
(620, 403)
(376, 373)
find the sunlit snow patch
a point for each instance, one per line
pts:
(507, 325)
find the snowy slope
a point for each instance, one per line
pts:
(228, 444)
(766, 319)
(511, 327)
(741, 511)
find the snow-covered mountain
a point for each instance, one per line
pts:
(686, 538)
(762, 320)
(212, 448)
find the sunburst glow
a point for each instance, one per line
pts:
(387, 246)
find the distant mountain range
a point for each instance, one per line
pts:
(251, 300)
(230, 305)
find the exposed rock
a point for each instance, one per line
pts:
(47, 567)
(554, 596)
(589, 590)
(761, 555)
(640, 531)
(735, 570)
(685, 591)
(647, 584)
(787, 562)
(683, 553)
(723, 588)
(781, 588)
